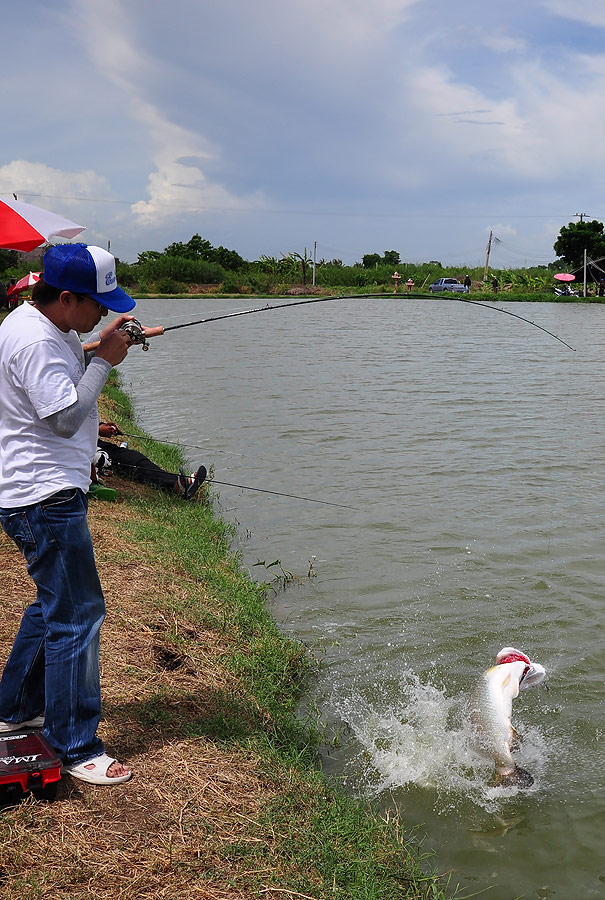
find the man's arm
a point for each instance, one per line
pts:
(110, 352)
(67, 421)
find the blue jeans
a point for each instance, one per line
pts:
(53, 667)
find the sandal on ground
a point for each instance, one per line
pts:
(94, 771)
(8, 727)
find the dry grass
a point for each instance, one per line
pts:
(164, 834)
(198, 694)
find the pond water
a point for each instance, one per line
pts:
(471, 445)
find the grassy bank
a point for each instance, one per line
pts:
(200, 690)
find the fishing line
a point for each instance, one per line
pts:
(268, 307)
(206, 448)
(245, 487)
(280, 494)
(559, 457)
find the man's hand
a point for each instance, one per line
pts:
(115, 324)
(108, 429)
(114, 343)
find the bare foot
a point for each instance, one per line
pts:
(117, 769)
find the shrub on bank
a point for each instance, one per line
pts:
(152, 270)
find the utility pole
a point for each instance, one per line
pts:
(585, 255)
(581, 216)
(314, 260)
(489, 247)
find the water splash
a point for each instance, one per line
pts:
(413, 733)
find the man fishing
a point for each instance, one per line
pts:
(48, 436)
(491, 709)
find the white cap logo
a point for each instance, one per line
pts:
(105, 266)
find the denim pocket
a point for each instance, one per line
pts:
(17, 526)
(60, 498)
(62, 519)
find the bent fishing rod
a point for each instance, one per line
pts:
(139, 334)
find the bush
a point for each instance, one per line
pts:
(232, 285)
(346, 276)
(178, 268)
(170, 286)
(260, 282)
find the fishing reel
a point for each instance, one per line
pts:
(135, 332)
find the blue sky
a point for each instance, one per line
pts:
(413, 125)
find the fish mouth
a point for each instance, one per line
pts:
(534, 674)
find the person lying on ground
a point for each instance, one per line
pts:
(139, 467)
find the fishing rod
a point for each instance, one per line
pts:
(514, 315)
(243, 487)
(139, 334)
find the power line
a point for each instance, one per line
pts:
(410, 214)
(523, 253)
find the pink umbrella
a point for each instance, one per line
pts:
(565, 276)
(25, 282)
(25, 227)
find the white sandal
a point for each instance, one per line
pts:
(8, 727)
(94, 771)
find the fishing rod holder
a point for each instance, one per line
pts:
(135, 332)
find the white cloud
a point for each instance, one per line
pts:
(590, 12)
(502, 231)
(500, 42)
(186, 120)
(36, 179)
(561, 133)
(65, 193)
(543, 128)
(173, 188)
(455, 123)
(178, 185)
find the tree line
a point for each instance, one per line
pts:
(183, 267)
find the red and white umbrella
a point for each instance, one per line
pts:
(26, 282)
(25, 227)
(565, 276)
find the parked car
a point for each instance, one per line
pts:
(448, 284)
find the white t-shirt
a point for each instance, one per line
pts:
(40, 365)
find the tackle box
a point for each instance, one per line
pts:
(27, 760)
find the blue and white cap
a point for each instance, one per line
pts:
(88, 270)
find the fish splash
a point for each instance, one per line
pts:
(414, 734)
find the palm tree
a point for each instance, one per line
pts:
(304, 259)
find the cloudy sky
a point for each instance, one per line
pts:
(413, 125)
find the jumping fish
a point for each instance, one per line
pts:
(491, 708)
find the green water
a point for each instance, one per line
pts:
(472, 444)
